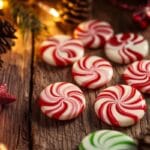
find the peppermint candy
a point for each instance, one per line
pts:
(92, 72)
(107, 140)
(120, 105)
(138, 75)
(93, 33)
(61, 50)
(126, 48)
(62, 101)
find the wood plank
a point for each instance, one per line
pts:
(14, 128)
(66, 135)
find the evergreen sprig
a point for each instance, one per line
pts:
(25, 16)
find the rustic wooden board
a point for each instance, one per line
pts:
(50, 134)
(14, 122)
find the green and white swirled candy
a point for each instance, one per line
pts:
(107, 140)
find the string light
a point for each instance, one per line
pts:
(3, 4)
(52, 11)
(3, 147)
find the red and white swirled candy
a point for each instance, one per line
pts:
(61, 50)
(92, 72)
(138, 75)
(120, 105)
(126, 48)
(62, 101)
(93, 33)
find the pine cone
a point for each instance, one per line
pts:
(75, 11)
(7, 32)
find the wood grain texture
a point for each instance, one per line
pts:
(14, 122)
(50, 134)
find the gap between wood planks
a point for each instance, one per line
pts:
(31, 93)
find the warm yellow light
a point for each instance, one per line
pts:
(53, 12)
(2, 147)
(1, 4)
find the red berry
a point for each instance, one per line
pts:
(142, 17)
(5, 97)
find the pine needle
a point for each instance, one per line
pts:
(25, 16)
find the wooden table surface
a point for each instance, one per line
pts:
(22, 125)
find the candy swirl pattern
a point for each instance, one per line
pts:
(92, 72)
(62, 101)
(61, 50)
(107, 140)
(93, 33)
(126, 48)
(138, 75)
(120, 105)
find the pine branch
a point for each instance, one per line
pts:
(25, 16)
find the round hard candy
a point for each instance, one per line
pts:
(93, 33)
(61, 50)
(62, 101)
(126, 48)
(138, 75)
(120, 105)
(107, 140)
(92, 72)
